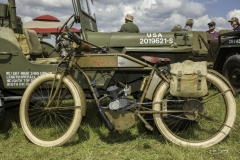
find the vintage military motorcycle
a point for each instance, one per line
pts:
(191, 106)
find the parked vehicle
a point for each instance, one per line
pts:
(227, 49)
(22, 57)
(221, 53)
(54, 103)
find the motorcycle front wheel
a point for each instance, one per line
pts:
(209, 118)
(50, 124)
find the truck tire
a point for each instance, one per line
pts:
(2, 109)
(2, 112)
(231, 70)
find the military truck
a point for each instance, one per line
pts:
(178, 45)
(227, 50)
(23, 57)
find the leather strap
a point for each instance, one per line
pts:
(179, 81)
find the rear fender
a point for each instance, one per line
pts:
(153, 87)
(223, 78)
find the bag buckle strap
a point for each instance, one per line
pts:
(179, 81)
(199, 80)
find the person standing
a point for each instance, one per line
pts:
(211, 30)
(129, 26)
(235, 23)
(189, 25)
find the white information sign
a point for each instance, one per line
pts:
(21, 79)
(155, 38)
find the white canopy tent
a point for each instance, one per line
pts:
(46, 24)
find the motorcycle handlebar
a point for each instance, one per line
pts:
(73, 36)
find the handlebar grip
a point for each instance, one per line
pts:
(73, 36)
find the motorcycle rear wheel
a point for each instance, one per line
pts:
(215, 117)
(53, 125)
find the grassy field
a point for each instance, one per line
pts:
(94, 141)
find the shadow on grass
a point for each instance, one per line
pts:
(93, 122)
(131, 134)
(10, 117)
(82, 134)
(96, 125)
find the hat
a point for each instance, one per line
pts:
(212, 23)
(234, 19)
(177, 27)
(189, 21)
(129, 17)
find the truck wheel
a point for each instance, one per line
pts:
(2, 109)
(2, 112)
(231, 70)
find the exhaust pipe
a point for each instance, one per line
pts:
(105, 118)
(12, 98)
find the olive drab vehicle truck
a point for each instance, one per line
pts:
(177, 45)
(222, 53)
(23, 57)
(227, 49)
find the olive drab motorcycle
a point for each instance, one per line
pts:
(191, 105)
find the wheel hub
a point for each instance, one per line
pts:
(195, 107)
(235, 77)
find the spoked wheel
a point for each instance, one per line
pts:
(208, 119)
(49, 121)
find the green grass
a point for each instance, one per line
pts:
(94, 141)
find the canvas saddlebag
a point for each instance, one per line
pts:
(189, 79)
